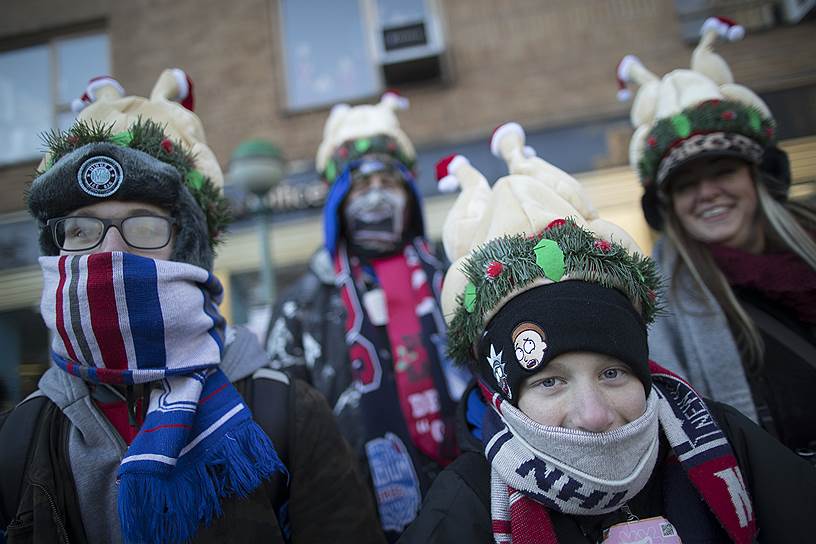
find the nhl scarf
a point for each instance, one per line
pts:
(539, 482)
(118, 318)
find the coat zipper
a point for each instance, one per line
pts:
(55, 511)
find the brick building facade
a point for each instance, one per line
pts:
(549, 65)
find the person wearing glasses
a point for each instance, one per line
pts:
(363, 324)
(157, 422)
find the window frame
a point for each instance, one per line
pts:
(372, 29)
(51, 42)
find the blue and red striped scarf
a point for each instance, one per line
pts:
(119, 318)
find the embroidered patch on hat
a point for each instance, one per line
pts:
(529, 343)
(100, 176)
(497, 364)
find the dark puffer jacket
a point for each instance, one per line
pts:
(782, 487)
(326, 498)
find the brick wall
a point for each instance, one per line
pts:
(542, 63)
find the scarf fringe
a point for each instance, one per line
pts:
(153, 509)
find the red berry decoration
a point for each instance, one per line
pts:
(343, 152)
(728, 115)
(770, 132)
(167, 145)
(555, 223)
(652, 141)
(602, 246)
(494, 269)
(652, 295)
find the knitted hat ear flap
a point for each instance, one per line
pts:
(775, 168)
(188, 244)
(650, 202)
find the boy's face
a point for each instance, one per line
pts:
(585, 391)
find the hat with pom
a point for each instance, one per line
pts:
(690, 113)
(537, 273)
(129, 148)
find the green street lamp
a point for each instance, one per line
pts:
(257, 166)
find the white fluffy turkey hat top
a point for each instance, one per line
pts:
(527, 200)
(354, 123)
(708, 79)
(170, 105)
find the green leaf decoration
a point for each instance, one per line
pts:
(704, 118)
(362, 145)
(331, 171)
(754, 120)
(550, 259)
(567, 251)
(122, 138)
(195, 179)
(470, 297)
(682, 125)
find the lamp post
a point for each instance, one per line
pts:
(257, 166)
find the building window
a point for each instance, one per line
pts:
(326, 54)
(37, 85)
(354, 49)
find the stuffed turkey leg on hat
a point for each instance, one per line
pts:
(537, 273)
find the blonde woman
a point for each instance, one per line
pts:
(738, 258)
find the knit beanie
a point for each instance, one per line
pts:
(370, 137)
(537, 273)
(135, 149)
(698, 112)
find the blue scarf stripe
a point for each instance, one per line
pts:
(147, 324)
(212, 291)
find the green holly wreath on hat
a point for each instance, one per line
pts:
(148, 137)
(711, 116)
(563, 251)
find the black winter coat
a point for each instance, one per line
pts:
(782, 487)
(327, 500)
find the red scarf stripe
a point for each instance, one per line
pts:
(723, 496)
(531, 522)
(501, 526)
(104, 317)
(59, 310)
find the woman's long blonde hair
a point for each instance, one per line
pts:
(786, 225)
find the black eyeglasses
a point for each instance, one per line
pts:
(81, 233)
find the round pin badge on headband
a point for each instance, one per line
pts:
(530, 345)
(100, 176)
